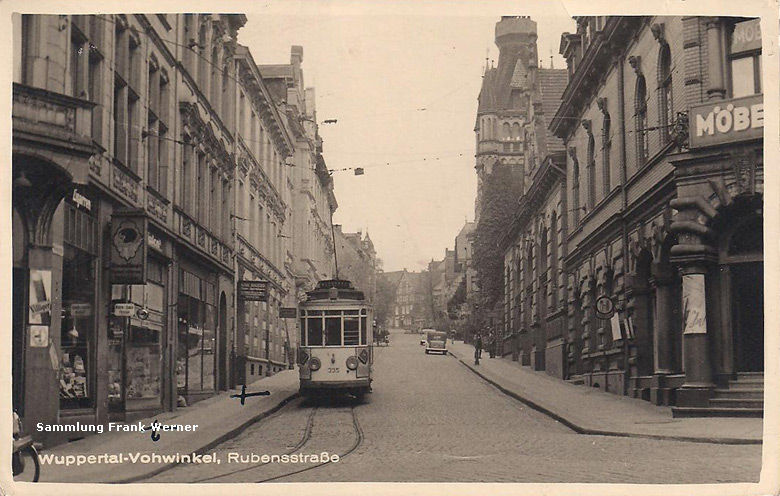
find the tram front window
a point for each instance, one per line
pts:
(315, 332)
(333, 331)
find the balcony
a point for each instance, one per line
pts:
(52, 119)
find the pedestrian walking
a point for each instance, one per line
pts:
(492, 345)
(478, 345)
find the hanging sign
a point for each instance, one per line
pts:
(124, 309)
(605, 307)
(288, 312)
(128, 248)
(253, 290)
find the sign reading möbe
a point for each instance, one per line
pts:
(727, 121)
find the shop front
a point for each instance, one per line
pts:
(136, 337)
(195, 368)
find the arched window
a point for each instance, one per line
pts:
(575, 186)
(505, 131)
(214, 79)
(591, 169)
(606, 150)
(640, 116)
(225, 97)
(666, 111)
(202, 69)
(516, 131)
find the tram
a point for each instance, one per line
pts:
(336, 336)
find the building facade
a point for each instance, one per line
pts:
(356, 261)
(150, 180)
(665, 217)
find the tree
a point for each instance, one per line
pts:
(385, 299)
(501, 190)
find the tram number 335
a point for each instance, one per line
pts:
(333, 370)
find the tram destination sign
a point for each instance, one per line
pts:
(253, 290)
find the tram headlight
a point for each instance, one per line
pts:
(352, 363)
(315, 364)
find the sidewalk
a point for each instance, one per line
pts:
(592, 411)
(218, 418)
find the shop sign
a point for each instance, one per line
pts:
(605, 307)
(288, 312)
(80, 310)
(253, 290)
(40, 300)
(80, 200)
(128, 248)
(727, 121)
(124, 309)
(39, 336)
(746, 37)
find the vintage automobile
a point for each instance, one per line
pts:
(435, 342)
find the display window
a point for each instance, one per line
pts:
(135, 344)
(195, 364)
(76, 368)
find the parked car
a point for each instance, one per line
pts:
(435, 342)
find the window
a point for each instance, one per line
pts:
(606, 150)
(745, 58)
(640, 116)
(575, 185)
(665, 104)
(186, 177)
(591, 170)
(554, 259)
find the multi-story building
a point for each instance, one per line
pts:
(263, 216)
(533, 247)
(150, 179)
(311, 184)
(123, 169)
(664, 222)
(356, 260)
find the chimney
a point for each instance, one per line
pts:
(296, 55)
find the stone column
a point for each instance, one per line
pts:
(696, 390)
(716, 84)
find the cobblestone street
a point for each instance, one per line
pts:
(432, 420)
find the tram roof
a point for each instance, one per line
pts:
(335, 289)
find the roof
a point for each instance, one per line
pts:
(271, 71)
(552, 83)
(487, 95)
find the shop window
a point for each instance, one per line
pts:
(197, 329)
(77, 369)
(745, 58)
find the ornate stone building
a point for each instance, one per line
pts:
(150, 177)
(664, 222)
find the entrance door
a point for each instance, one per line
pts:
(747, 316)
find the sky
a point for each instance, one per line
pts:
(402, 80)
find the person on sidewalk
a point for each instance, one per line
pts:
(492, 345)
(478, 344)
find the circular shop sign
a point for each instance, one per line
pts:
(605, 307)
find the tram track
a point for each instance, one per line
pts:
(301, 443)
(359, 437)
(311, 431)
